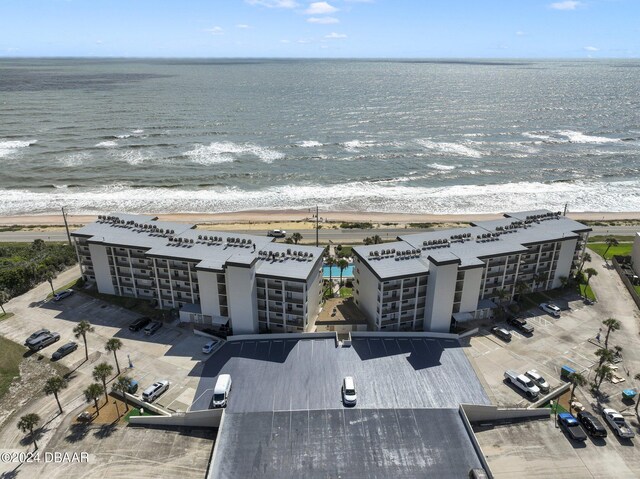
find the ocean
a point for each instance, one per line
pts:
(411, 136)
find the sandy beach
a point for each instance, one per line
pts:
(302, 219)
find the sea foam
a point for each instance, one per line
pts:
(9, 147)
(226, 151)
(449, 149)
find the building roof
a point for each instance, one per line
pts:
(285, 417)
(211, 249)
(349, 443)
(483, 239)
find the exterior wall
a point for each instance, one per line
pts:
(314, 298)
(635, 254)
(440, 294)
(565, 261)
(209, 298)
(243, 308)
(366, 291)
(471, 283)
(101, 268)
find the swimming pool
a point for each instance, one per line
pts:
(335, 272)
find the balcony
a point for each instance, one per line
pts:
(294, 289)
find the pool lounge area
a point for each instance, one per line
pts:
(335, 272)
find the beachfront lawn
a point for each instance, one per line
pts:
(136, 412)
(586, 291)
(69, 285)
(6, 315)
(10, 356)
(623, 249)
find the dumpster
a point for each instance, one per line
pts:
(566, 372)
(629, 393)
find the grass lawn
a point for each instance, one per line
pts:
(344, 252)
(623, 249)
(10, 356)
(5, 316)
(556, 407)
(346, 292)
(601, 239)
(136, 412)
(586, 291)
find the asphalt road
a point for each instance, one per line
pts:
(324, 235)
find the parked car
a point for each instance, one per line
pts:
(571, 426)
(502, 333)
(152, 327)
(277, 233)
(550, 308)
(64, 350)
(155, 390)
(592, 424)
(62, 294)
(207, 348)
(538, 380)
(42, 341)
(221, 391)
(139, 323)
(35, 335)
(617, 423)
(520, 324)
(523, 383)
(349, 397)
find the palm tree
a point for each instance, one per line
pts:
(122, 385)
(602, 373)
(342, 264)
(589, 272)
(93, 393)
(612, 324)
(611, 241)
(53, 386)
(114, 344)
(330, 262)
(576, 379)
(605, 355)
(4, 298)
(502, 295)
(564, 281)
(368, 241)
(82, 329)
(100, 373)
(521, 288)
(48, 275)
(543, 278)
(637, 378)
(27, 423)
(377, 239)
(586, 258)
(296, 237)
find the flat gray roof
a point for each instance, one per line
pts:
(481, 240)
(213, 255)
(401, 371)
(348, 443)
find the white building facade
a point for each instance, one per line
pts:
(424, 281)
(245, 283)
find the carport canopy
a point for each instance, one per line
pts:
(220, 321)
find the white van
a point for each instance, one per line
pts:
(221, 391)
(349, 391)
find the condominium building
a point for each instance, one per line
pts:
(425, 281)
(243, 283)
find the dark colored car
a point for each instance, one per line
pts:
(62, 294)
(592, 424)
(501, 333)
(152, 327)
(64, 350)
(521, 325)
(139, 323)
(571, 426)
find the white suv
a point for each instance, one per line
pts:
(550, 308)
(155, 390)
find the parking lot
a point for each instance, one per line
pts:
(172, 353)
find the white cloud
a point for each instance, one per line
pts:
(243, 25)
(99, 42)
(304, 40)
(284, 40)
(592, 49)
(566, 5)
(215, 31)
(320, 8)
(274, 3)
(520, 33)
(334, 35)
(323, 20)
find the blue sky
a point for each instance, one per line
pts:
(332, 28)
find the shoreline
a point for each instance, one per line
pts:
(265, 217)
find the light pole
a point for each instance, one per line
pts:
(317, 225)
(66, 226)
(555, 413)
